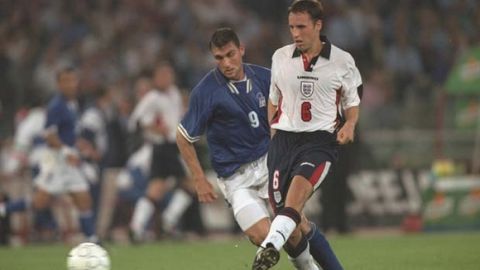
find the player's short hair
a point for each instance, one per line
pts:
(222, 36)
(312, 7)
(61, 71)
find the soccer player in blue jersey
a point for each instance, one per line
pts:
(59, 167)
(230, 105)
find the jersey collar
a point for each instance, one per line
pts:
(325, 52)
(222, 80)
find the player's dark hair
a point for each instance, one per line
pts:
(64, 70)
(222, 36)
(312, 7)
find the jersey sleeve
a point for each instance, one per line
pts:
(194, 122)
(351, 84)
(275, 94)
(26, 131)
(142, 114)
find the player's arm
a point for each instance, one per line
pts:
(271, 112)
(158, 127)
(53, 140)
(346, 134)
(274, 96)
(87, 149)
(203, 187)
(351, 94)
(54, 118)
(90, 128)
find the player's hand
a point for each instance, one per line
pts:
(87, 150)
(159, 126)
(161, 129)
(205, 191)
(73, 160)
(70, 156)
(346, 134)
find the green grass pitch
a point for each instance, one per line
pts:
(419, 251)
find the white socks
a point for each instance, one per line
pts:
(175, 208)
(144, 209)
(304, 261)
(280, 230)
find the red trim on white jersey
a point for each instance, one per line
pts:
(306, 63)
(279, 112)
(319, 174)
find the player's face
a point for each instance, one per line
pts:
(68, 84)
(229, 60)
(164, 77)
(305, 32)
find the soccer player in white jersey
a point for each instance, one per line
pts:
(230, 105)
(158, 114)
(312, 81)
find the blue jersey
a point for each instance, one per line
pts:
(62, 116)
(233, 115)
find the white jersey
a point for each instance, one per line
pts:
(29, 128)
(28, 131)
(311, 98)
(93, 120)
(162, 107)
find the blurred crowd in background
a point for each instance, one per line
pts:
(404, 50)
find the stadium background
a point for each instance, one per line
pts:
(412, 119)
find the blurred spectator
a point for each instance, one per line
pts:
(115, 41)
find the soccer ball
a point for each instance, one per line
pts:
(88, 256)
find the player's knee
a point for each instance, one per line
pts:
(305, 226)
(155, 190)
(40, 201)
(84, 204)
(258, 236)
(256, 239)
(258, 232)
(292, 214)
(39, 204)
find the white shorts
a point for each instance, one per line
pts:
(56, 176)
(247, 190)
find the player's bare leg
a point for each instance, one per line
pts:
(258, 231)
(41, 199)
(284, 228)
